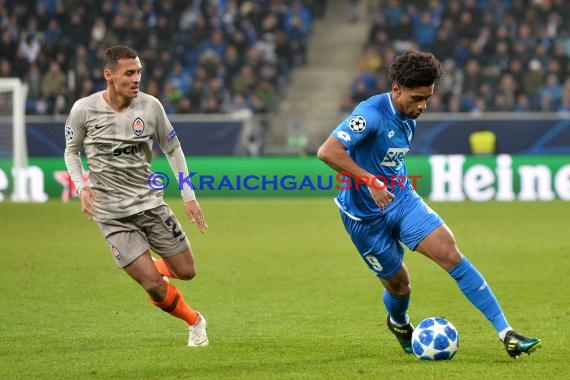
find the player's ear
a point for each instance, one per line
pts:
(107, 73)
(396, 90)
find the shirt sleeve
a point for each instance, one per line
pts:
(75, 131)
(165, 133)
(178, 165)
(355, 128)
(168, 141)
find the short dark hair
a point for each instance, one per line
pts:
(116, 53)
(415, 69)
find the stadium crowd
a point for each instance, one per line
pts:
(210, 56)
(499, 55)
(199, 56)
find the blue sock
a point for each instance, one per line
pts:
(475, 288)
(397, 307)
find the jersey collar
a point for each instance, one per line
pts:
(397, 114)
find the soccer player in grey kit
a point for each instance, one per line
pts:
(115, 128)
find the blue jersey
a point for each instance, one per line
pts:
(377, 137)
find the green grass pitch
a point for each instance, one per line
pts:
(284, 292)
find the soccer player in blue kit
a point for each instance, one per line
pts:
(380, 208)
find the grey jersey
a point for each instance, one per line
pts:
(118, 146)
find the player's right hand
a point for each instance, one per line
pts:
(87, 197)
(194, 212)
(382, 197)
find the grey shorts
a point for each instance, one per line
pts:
(131, 236)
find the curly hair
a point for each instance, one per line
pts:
(415, 69)
(116, 53)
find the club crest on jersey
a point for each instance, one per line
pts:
(357, 124)
(115, 252)
(68, 133)
(138, 126)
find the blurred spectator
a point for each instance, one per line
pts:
(360, 92)
(239, 102)
(451, 82)
(553, 90)
(53, 32)
(60, 105)
(499, 55)
(218, 91)
(170, 97)
(425, 32)
(29, 48)
(5, 68)
(517, 45)
(180, 78)
(267, 94)
(565, 102)
(193, 53)
(523, 103)
(53, 80)
(8, 46)
(244, 82)
(507, 90)
(370, 61)
(34, 81)
(472, 77)
(532, 80)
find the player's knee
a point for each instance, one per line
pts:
(451, 257)
(403, 290)
(186, 274)
(399, 288)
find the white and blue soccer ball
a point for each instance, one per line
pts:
(435, 339)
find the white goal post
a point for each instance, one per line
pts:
(13, 144)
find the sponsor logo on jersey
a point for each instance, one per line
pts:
(343, 136)
(68, 133)
(131, 149)
(115, 252)
(138, 126)
(357, 124)
(394, 156)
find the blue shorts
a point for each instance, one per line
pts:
(379, 240)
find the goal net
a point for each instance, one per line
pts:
(13, 145)
(12, 116)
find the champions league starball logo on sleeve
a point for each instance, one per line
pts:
(357, 124)
(68, 132)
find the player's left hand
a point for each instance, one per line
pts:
(88, 196)
(382, 197)
(194, 212)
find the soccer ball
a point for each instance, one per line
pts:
(435, 339)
